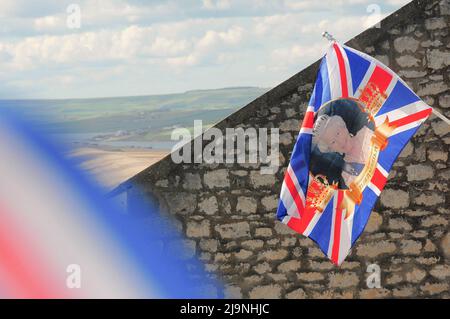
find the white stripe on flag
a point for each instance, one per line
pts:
(296, 183)
(330, 244)
(365, 80)
(346, 236)
(391, 85)
(312, 224)
(403, 112)
(334, 77)
(347, 71)
(372, 186)
(375, 189)
(286, 219)
(408, 126)
(310, 109)
(305, 130)
(288, 201)
(382, 170)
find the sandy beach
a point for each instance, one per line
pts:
(113, 166)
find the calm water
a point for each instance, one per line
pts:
(87, 139)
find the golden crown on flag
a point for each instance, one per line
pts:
(373, 99)
(320, 192)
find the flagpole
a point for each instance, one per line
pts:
(330, 38)
(441, 116)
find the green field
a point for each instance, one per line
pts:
(134, 118)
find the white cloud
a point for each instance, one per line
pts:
(216, 4)
(130, 44)
(314, 4)
(253, 42)
(296, 55)
(211, 43)
(10, 8)
(182, 61)
(294, 27)
(211, 38)
(398, 3)
(98, 12)
(33, 52)
(168, 47)
(48, 23)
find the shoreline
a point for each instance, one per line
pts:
(111, 166)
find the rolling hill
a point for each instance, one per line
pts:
(131, 119)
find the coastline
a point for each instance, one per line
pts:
(112, 165)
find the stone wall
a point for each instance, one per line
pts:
(227, 211)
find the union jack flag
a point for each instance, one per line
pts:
(326, 194)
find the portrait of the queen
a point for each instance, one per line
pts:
(341, 141)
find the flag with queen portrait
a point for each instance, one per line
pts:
(359, 118)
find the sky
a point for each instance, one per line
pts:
(105, 48)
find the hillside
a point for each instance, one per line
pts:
(131, 119)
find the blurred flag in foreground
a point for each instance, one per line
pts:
(360, 117)
(60, 237)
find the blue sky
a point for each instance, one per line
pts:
(136, 47)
